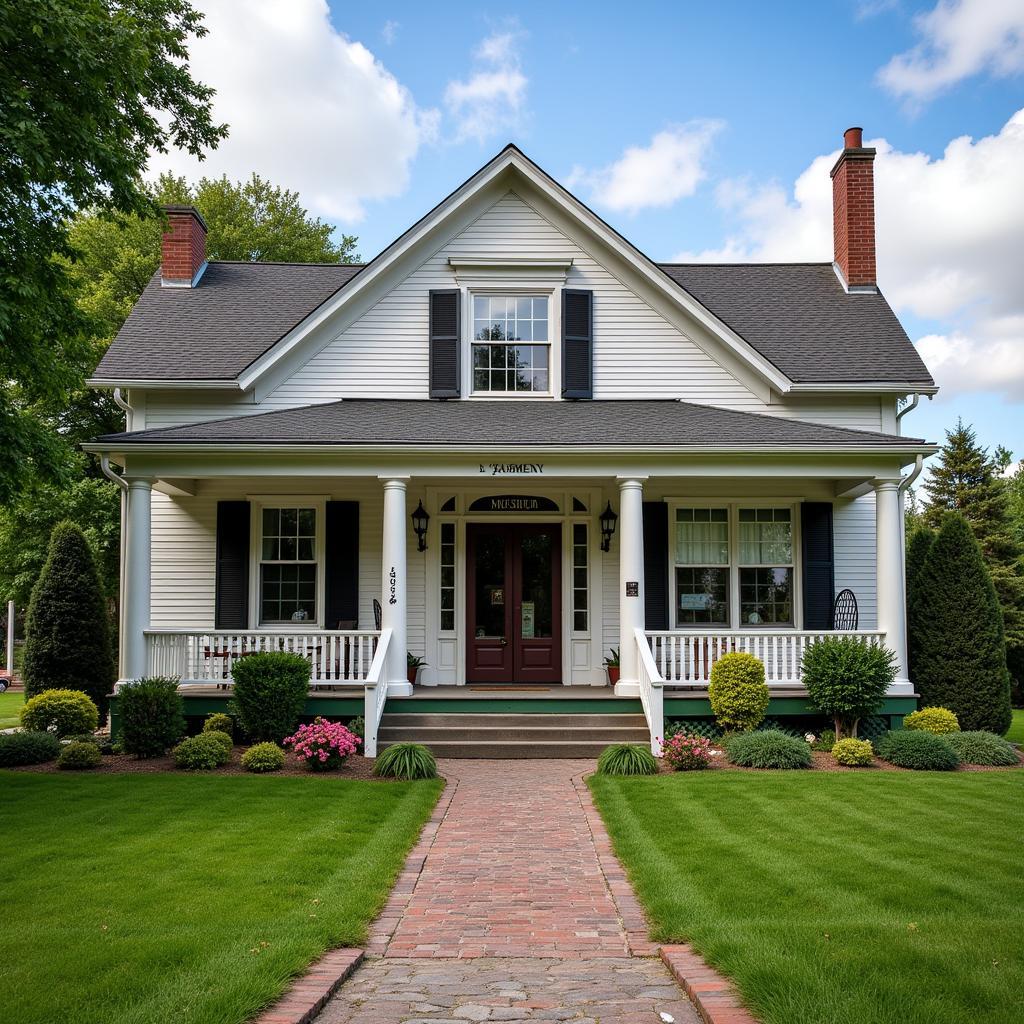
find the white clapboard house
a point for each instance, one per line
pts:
(507, 445)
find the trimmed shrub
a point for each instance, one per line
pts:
(981, 747)
(222, 738)
(78, 756)
(323, 745)
(67, 630)
(919, 751)
(201, 752)
(263, 757)
(152, 716)
(626, 759)
(64, 712)
(738, 692)
(17, 748)
(957, 632)
(847, 679)
(88, 737)
(936, 720)
(853, 753)
(270, 693)
(406, 761)
(687, 753)
(219, 722)
(768, 749)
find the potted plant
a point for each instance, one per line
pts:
(611, 663)
(414, 665)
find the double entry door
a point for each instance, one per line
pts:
(513, 603)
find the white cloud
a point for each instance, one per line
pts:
(657, 175)
(390, 31)
(308, 108)
(959, 38)
(948, 232)
(492, 99)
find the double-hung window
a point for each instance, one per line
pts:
(511, 346)
(288, 565)
(702, 566)
(766, 566)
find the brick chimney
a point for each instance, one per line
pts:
(183, 254)
(853, 212)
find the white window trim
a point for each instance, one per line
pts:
(259, 503)
(512, 287)
(733, 505)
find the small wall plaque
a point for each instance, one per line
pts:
(632, 588)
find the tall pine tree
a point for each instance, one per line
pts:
(967, 480)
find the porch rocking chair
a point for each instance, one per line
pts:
(844, 612)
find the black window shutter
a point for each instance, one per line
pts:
(341, 564)
(444, 343)
(231, 602)
(577, 344)
(819, 563)
(655, 517)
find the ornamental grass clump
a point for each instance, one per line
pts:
(626, 759)
(63, 712)
(323, 745)
(406, 761)
(939, 721)
(853, 753)
(685, 753)
(263, 757)
(771, 748)
(984, 748)
(738, 692)
(918, 751)
(79, 756)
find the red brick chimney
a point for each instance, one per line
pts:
(183, 255)
(853, 212)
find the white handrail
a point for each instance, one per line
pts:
(375, 695)
(651, 693)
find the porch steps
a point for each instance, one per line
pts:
(498, 736)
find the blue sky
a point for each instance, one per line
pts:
(374, 112)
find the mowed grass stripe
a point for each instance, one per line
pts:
(146, 898)
(894, 898)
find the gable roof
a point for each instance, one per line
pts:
(647, 424)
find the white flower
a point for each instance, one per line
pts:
(810, 737)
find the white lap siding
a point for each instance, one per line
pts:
(854, 538)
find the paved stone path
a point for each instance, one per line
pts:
(508, 915)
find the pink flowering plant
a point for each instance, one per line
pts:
(685, 753)
(323, 745)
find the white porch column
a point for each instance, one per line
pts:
(889, 577)
(393, 601)
(631, 582)
(137, 578)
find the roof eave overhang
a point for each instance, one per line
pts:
(164, 384)
(862, 387)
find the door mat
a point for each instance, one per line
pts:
(498, 688)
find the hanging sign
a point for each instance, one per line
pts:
(513, 503)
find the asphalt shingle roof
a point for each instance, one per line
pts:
(513, 423)
(796, 315)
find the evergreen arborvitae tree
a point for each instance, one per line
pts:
(967, 480)
(919, 543)
(67, 631)
(960, 650)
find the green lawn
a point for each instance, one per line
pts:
(156, 898)
(882, 898)
(1016, 733)
(10, 709)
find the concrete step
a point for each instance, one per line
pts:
(431, 734)
(471, 719)
(495, 750)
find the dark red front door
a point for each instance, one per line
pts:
(514, 607)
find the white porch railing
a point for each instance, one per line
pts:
(336, 657)
(651, 693)
(685, 658)
(375, 695)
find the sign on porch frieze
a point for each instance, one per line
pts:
(511, 468)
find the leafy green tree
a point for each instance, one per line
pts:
(90, 88)
(67, 632)
(960, 647)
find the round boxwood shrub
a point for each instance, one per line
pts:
(78, 756)
(920, 751)
(222, 738)
(406, 761)
(853, 753)
(152, 716)
(270, 693)
(982, 748)
(17, 748)
(738, 692)
(847, 679)
(219, 722)
(626, 759)
(201, 752)
(64, 712)
(771, 748)
(939, 721)
(263, 757)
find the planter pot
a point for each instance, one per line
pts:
(613, 674)
(413, 673)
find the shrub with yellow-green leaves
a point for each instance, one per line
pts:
(738, 692)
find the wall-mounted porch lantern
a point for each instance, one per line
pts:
(608, 521)
(420, 518)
